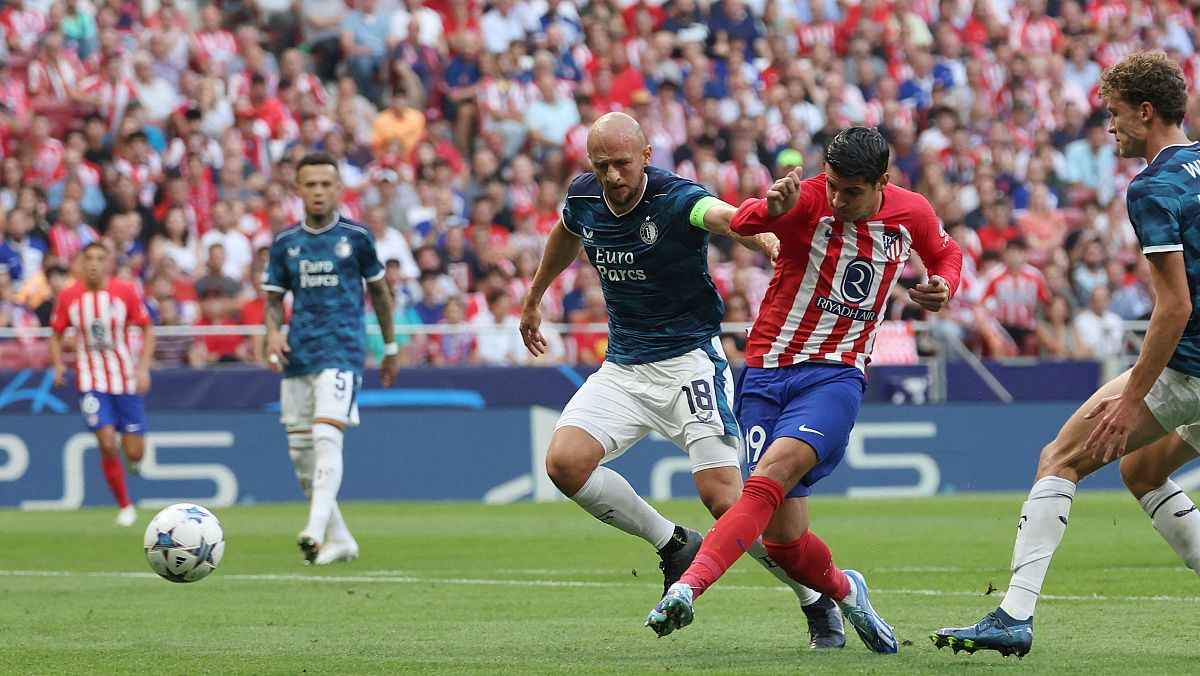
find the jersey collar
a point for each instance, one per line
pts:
(645, 182)
(336, 219)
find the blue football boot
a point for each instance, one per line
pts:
(673, 612)
(874, 632)
(997, 631)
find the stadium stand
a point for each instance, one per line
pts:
(168, 127)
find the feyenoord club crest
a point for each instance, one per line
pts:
(893, 246)
(342, 249)
(649, 232)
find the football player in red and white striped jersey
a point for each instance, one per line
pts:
(111, 382)
(844, 238)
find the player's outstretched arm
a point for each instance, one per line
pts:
(561, 248)
(717, 218)
(273, 320)
(1168, 319)
(381, 301)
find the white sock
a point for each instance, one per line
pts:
(607, 496)
(1040, 530)
(327, 477)
(300, 448)
(758, 551)
(1175, 518)
(337, 531)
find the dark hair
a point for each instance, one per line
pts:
(94, 245)
(316, 160)
(1017, 244)
(1148, 77)
(858, 151)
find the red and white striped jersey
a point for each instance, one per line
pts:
(59, 79)
(47, 159)
(101, 320)
(216, 48)
(112, 98)
(25, 26)
(1013, 297)
(833, 278)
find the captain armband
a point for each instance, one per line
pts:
(696, 217)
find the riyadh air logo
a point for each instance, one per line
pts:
(293, 251)
(893, 246)
(856, 282)
(342, 249)
(649, 231)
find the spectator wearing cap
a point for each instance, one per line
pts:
(787, 160)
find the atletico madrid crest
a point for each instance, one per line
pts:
(893, 246)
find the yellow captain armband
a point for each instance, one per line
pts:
(696, 218)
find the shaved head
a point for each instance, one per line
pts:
(617, 148)
(616, 128)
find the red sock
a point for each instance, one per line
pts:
(734, 532)
(114, 474)
(809, 562)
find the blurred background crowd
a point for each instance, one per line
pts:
(171, 128)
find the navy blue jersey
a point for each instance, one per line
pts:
(1164, 207)
(324, 270)
(653, 266)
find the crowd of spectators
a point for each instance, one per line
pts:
(171, 130)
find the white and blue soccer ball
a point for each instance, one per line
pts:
(184, 543)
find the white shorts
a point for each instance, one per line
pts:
(1174, 400)
(685, 399)
(332, 394)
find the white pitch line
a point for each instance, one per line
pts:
(382, 579)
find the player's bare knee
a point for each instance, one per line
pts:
(569, 468)
(1139, 478)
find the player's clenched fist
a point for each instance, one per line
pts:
(932, 295)
(783, 194)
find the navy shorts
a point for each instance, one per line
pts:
(124, 412)
(815, 403)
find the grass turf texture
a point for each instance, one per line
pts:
(544, 589)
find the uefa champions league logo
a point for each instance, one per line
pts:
(649, 232)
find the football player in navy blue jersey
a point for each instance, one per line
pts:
(1151, 413)
(645, 231)
(322, 262)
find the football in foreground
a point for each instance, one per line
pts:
(184, 543)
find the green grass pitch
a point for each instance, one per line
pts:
(544, 589)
